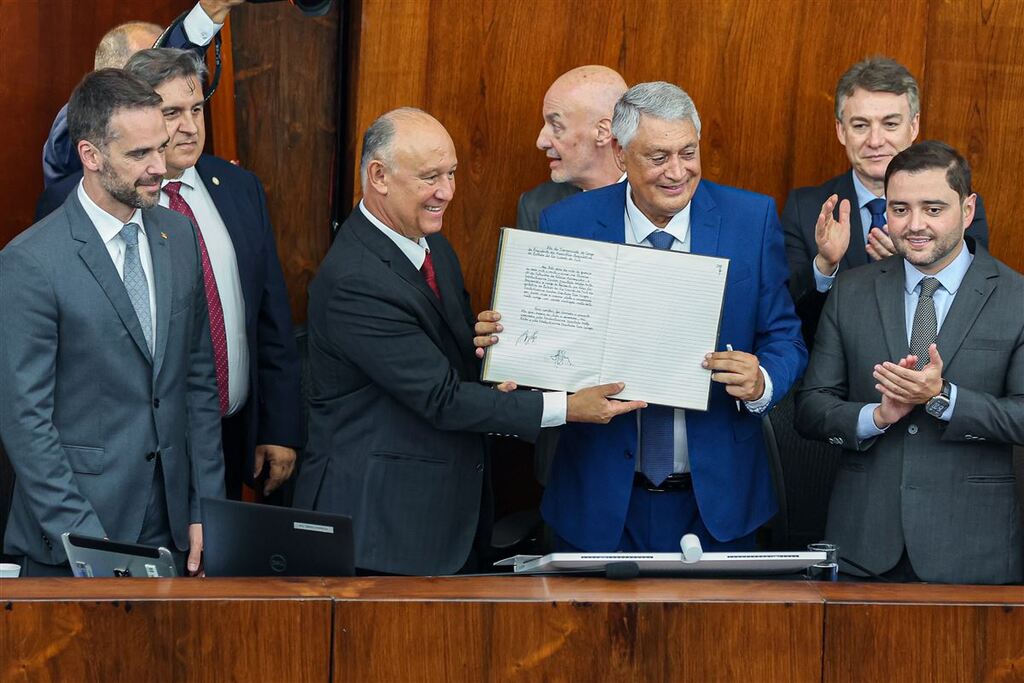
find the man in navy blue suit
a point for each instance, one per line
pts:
(258, 371)
(193, 32)
(643, 480)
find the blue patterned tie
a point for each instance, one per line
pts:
(657, 428)
(876, 207)
(135, 281)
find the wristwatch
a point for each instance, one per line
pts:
(937, 405)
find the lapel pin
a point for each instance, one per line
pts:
(164, 235)
(216, 180)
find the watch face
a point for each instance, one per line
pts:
(937, 406)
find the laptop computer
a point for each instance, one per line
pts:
(248, 539)
(89, 556)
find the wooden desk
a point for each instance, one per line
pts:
(506, 629)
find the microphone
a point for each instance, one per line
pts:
(620, 571)
(691, 549)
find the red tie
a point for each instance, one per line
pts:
(430, 276)
(217, 334)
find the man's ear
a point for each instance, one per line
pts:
(604, 133)
(620, 154)
(969, 204)
(90, 155)
(376, 176)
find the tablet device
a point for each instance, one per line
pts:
(248, 539)
(99, 557)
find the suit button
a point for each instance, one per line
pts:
(912, 429)
(156, 403)
(628, 454)
(480, 467)
(151, 456)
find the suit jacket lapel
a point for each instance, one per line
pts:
(97, 259)
(705, 223)
(978, 284)
(855, 253)
(889, 294)
(610, 218)
(162, 275)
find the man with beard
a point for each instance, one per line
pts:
(918, 374)
(108, 396)
(257, 364)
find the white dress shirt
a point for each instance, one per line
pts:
(199, 27)
(416, 252)
(229, 284)
(109, 229)
(638, 229)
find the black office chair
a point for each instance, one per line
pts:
(804, 472)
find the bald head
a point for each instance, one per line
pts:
(408, 171)
(121, 42)
(576, 136)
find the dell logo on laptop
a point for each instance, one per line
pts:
(278, 563)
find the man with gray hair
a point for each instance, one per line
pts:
(258, 371)
(194, 32)
(398, 417)
(841, 223)
(640, 482)
(576, 138)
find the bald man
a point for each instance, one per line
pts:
(576, 137)
(194, 32)
(398, 419)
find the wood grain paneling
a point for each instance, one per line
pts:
(47, 46)
(199, 640)
(923, 643)
(286, 67)
(577, 641)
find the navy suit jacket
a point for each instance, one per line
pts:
(591, 478)
(273, 413)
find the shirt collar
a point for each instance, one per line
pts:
(416, 252)
(951, 277)
(642, 227)
(106, 225)
(864, 195)
(189, 178)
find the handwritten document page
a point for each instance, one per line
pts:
(663, 318)
(553, 295)
(579, 312)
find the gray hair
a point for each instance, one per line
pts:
(98, 97)
(378, 138)
(878, 74)
(116, 47)
(160, 64)
(658, 99)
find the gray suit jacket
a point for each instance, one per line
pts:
(945, 491)
(532, 202)
(398, 418)
(85, 410)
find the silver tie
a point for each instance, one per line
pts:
(135, 281)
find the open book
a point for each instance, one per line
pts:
(579, 312)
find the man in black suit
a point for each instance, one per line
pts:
(840, 224)
(258, 371)
(398, 418)
(576, 137)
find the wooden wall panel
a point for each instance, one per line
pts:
(47, 46)
(286, 67)
(762, 74)
(975, 101)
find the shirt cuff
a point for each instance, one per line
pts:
(866, 427)
(760, 405)
(199, 27)
(554, 409)
(822, 283)
(948, 414)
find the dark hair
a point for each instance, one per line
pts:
(878, 74)
(98, 96)
(931, 154)
(159, 64)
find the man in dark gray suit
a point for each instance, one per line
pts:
(398, 419)
(108, 397)
(878, 115)
(576, 137)
(918, 373)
